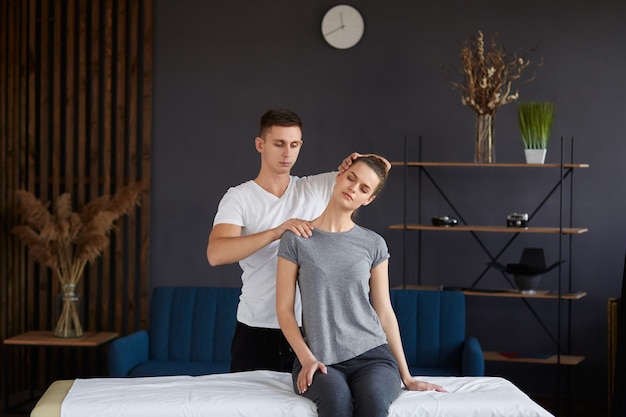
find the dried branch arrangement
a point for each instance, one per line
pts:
(491, 78)
(65, 240)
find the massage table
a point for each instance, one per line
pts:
(266, 393)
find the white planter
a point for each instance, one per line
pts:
(535, 156)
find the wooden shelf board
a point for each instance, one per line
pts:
(511, 293)
(491, 229)
(47, 338)
(517, 294)
(474, 164)
(549, 360)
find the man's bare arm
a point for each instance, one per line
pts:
(227, 246)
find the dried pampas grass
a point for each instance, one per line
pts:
(66, 241)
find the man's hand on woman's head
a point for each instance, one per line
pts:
(385, 161)
(346, 163)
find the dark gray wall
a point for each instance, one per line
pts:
(220, 65)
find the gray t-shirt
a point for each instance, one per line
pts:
(338, 319)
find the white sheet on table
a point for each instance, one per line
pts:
(267, 393)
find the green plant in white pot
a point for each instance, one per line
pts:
(535, 124)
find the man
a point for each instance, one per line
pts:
(250, 220)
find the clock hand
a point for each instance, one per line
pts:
(333, 31)
(341, 18)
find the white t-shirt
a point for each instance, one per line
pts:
(256, 210)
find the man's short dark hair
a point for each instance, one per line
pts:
(279, 117)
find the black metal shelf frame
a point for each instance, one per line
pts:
(565, 173)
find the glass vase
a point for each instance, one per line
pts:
(485, 150)
(69, 309)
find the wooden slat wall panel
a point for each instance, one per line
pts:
(4, 249)
(119, 113)
(40, 152)
(75, 116)
(144, 132)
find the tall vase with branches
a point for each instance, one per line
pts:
(489, 78)
(66, 241)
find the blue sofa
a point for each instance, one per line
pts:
(191, 329)
(432, 326)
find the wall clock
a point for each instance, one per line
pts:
(342, 26)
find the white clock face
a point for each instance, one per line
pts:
(343, 26)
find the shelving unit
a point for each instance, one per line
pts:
(566, 294)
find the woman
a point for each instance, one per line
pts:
(350, 360)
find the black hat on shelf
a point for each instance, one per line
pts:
(532, 262)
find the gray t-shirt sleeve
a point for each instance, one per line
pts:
(380, 251)
(288, 248)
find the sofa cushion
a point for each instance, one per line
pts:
(432, 327)
(192, 324)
